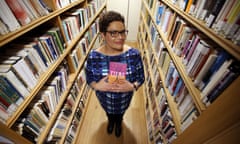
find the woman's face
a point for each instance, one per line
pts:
(115, 36)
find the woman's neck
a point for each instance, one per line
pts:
(110, 51)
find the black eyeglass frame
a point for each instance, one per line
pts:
(115, 34)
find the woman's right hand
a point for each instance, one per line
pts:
(104, 85)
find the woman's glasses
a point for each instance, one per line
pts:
(117, 33)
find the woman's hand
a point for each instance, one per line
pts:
(123, 86)
(119, 86)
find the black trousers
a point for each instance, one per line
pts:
(115, 118)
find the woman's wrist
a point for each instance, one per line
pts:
(135, 86)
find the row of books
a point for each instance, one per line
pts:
(172, 80)
(158, 107)
(211, 68)
(77, 116)
(17, 13)
(63, 3)
(175, 85)
(48, 95)
(167, 125)
(221, 16)
(77, 19)
(80, 50)
(35, 118)
(60, 125)
(150, 106)
(22, 65)
(152, 114)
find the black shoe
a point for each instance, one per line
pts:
(110, 127)
(118, 130)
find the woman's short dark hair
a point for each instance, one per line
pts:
(108, 17)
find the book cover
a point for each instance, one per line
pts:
(117, 71)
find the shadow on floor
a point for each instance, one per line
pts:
(102, 137)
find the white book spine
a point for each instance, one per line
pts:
(216, 78)
(204, 69)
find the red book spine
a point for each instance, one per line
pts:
(18, 12)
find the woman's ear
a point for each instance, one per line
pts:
(103, 35)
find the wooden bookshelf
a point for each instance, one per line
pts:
(216, 122)
(53, 18)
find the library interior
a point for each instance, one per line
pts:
(69, 69)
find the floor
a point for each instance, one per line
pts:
(93, 129)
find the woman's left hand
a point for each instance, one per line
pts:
(123, 86)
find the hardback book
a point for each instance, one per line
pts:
(22, 70)
(187, 9)
(3, 28)
(216, 78)
(117, 71)
(209, 62)
(19, 12)
(30, 8)
(200, 9)
(214, 12)
(232, 73)
(7, 73)
(40, 7)
(10, 94)
(185, 36)
(202, 48)
(222, 17)
(55, 33)
(8, 17)
(221, 58)
(159, 12)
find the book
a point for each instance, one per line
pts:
(40, 7)
(222, 17)
(6, 72)
(3, 28)
(211, 59)
(221, 58)
(8, 17)
(159, 12)
(30, 8)
(10, 94)
(19, 12)
(214, 12)
(191, 49)
(233, 73)
(201, 49)
(117, 71)
(57, 36)
(200, 8)
(216, 77)
(185, 36)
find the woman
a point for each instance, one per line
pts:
(114, 70)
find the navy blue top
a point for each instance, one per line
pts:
(97, 67)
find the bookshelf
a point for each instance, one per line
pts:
(82, 42)
(194, 117)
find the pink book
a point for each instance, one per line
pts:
(117, 71)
